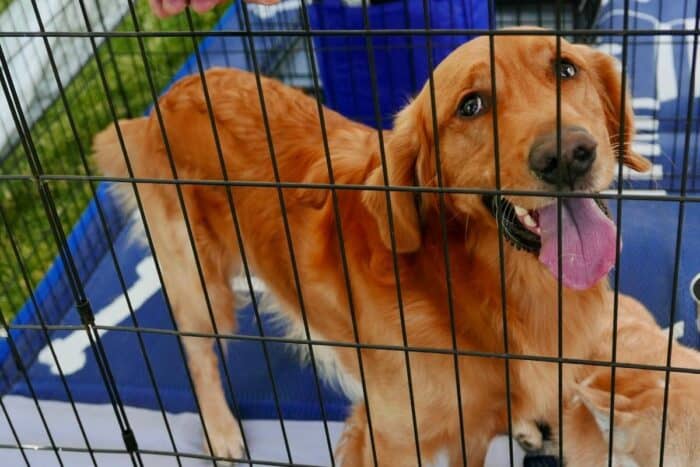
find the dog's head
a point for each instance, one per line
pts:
(459, 132)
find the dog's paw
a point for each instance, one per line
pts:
(528, 436)
(225, 438)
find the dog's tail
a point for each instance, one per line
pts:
(113, 147)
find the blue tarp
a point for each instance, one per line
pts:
(659, 69)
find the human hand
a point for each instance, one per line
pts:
(165, 8)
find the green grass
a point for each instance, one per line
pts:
(60, 151)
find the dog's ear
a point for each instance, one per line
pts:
(402, 149)
(597, 401)
(609, 83)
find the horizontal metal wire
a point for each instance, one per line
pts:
(391, 347)
(361, 32)
(625, 195)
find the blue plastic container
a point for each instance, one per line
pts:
(401, 61)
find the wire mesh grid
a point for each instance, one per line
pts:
(119, 66)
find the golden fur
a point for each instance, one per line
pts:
(639, 401)
(526, 87)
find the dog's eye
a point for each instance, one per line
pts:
(566, 69)
(472, 105)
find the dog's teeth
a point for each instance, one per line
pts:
(529, 221)
(520, 211)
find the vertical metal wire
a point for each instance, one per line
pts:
(677, 116)
(443, 228)
(164, 291)
(285, 222)
(655, 111)
(110, 239)
(392, 235)
(679, 232)
(151, 246)
(21, 367)
(338, 222)
(239, 237)
(127, 432)
(621, 148)
(9, 419)
(73, 197)
(34, 237)
(112, 58)
(411, 47)
(15, 279)
(560, 292)
(74, 280)
(47, 337)
(501, 249)
(28, 285)
(188, 227)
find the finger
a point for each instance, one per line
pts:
(200, 6)
(157, 8)
(173, 7)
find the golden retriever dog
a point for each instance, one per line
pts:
(433, 237)
(638, 402)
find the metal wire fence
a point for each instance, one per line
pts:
(46, 183)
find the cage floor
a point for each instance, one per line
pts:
(306, 439)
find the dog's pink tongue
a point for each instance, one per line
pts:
(588, 242)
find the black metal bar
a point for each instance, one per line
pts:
(74, 277)
(678, 120)
(287, 230)
(110, 239)
(390, 219)
(560, 294)
(338, 226)
(183, 209)
(239, 237)
(679, 232)
(501, 249)
(355, 32)
(47, 337)
(398, 348)
(14, 432)
(621, 148)
(23, 370)
(630, 195)
(50, 210)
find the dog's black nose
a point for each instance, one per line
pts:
(574, 160)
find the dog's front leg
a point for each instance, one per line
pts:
(477, 447)
(223, 431)
(223, 436)
(358, 447)
(354, 448)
